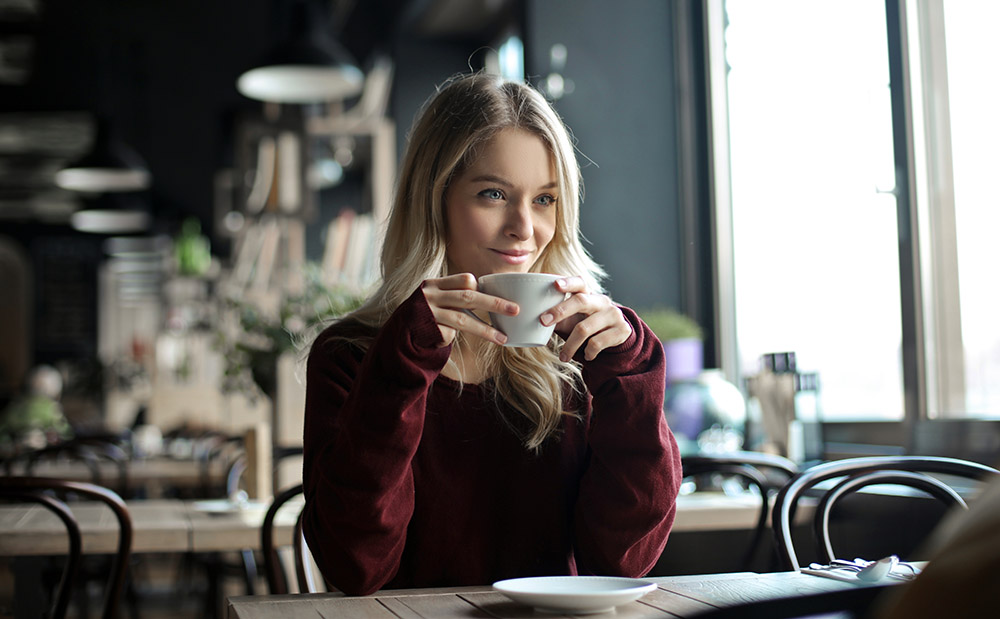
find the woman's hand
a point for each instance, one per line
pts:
(448, 296)
(585, 316)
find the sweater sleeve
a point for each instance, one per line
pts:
(364, 417)
(627, 499)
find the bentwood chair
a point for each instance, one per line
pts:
(41, 490)
(925, 474)
(307, 576)
(764, 472)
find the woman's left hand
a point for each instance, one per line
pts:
(586, 317)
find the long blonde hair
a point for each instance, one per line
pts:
(465, 113)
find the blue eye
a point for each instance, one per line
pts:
(546, 200)
(492, 194)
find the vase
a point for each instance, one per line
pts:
(683, 359)
(706, 413)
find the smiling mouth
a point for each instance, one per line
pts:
(513, 257)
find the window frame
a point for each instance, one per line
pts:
(932, 352)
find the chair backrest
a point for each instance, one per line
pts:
(90, 452)
(758, 470)
(60, 600)
(238, 466)
(912, 471)
(36, 489)
(306, 574)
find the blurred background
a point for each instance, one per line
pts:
(786, 177)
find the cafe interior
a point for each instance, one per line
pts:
(792, 195)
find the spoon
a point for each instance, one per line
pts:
(878, 570)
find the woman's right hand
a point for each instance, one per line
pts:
(449, 296)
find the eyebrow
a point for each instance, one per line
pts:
(490, 178)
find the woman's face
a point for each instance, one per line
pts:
(501, 210)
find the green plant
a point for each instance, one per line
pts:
(669, 324)
(253, 338)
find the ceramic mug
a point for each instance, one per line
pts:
(534, 293)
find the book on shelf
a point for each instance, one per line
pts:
(349, 252)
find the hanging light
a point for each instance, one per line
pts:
(112, 213)
(110, 165)
(310, 66)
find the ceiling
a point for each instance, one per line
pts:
(157, 74)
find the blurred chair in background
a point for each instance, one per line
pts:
(39, 490)
(926, 474)
(279, 573)
(765, 473)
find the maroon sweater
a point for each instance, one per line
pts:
(411, 481)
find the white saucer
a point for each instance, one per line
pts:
(574, 594)
(219, 506)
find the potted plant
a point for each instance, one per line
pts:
(682, 341)
(251, 346)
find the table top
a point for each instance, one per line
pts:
(171, 525)
(675, 596)
(180, 472)
(159, 525)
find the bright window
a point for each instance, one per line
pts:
(815, 263)
(814, 229)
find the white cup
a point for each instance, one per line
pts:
(535, 294)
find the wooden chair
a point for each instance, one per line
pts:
(857, 473)
(306, 574)
(39, 490)
(765, 472)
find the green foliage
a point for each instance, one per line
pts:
(669, 324)
(32, 412)
(256, 337)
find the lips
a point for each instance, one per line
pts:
(514, 256)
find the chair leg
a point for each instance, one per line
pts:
(250, 570)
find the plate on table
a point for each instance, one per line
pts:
(219, 506)
(574, 594)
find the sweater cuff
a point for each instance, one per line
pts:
(641, 352)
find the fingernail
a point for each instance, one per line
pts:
(561, 283)
(546, 319)
(563, 357)
(512, 308)
(501, 339)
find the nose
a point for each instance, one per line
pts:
(519, 224)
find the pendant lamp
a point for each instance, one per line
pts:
(110, 165)
(309, 66)
(113, 213)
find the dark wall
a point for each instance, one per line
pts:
(622, 113)
(165, 73)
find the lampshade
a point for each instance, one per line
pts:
(309, 66)
(112, 213)
(110, 165)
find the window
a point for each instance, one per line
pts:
(811, 203)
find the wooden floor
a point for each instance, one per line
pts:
(164, 585)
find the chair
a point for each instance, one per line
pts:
(755, 468)
(857, 473)
(216, 564)
(88, 451)
(306, 574)
(39, 489)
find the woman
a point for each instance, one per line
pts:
(435, 456)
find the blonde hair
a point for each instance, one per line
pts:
(466, 112)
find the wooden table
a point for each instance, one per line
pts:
(676, 596)
(174, 525)
(152, 474)
(159, 525)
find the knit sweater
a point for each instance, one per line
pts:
(412, 480)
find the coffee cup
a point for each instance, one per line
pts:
(535, 294)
